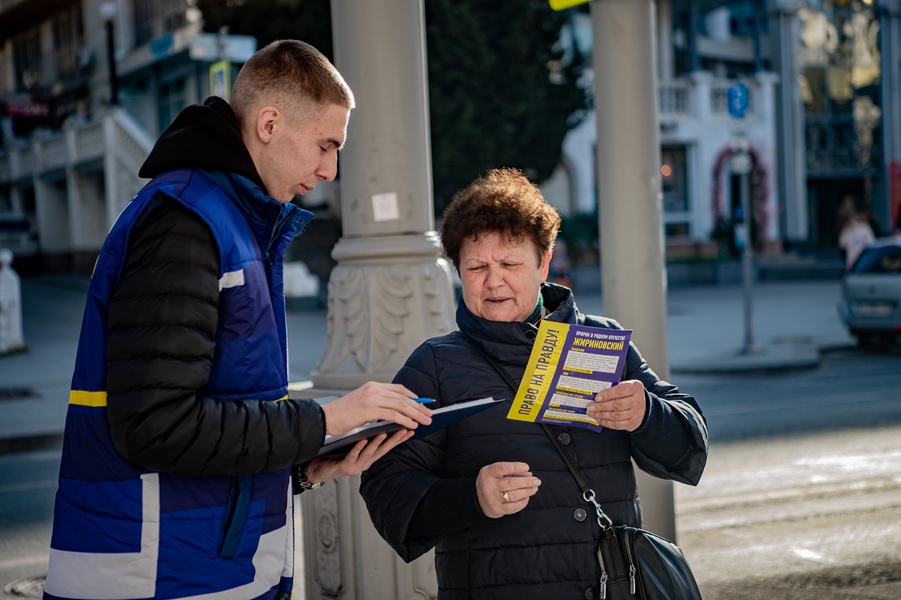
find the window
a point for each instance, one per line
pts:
(173, 98)
(840, 85)
(27, 61)
(154, 18)
(676, 208)
(672, 171)
(68, 42)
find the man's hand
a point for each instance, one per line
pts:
(621, 407)
(375, 402)
(504, 488)
(361, 457)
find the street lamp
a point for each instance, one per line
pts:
(108, 12)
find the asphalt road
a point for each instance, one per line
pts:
(803, 517)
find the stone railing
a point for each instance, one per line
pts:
(679, 98)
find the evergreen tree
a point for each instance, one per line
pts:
(270, 20)
(499, 92)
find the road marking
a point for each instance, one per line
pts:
(24, 561)
(809, 555)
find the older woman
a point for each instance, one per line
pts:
(493, 495)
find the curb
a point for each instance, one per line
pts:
(789, 357)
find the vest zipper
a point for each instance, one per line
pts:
(276, 232)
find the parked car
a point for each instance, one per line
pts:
(871, 295)
(17, 234)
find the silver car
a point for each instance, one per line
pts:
(871, 295)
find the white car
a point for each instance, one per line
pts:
(871, 295)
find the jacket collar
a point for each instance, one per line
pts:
(511, 341)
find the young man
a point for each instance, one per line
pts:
(180, 444)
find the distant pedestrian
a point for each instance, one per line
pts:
(854, 237)
(180, 442)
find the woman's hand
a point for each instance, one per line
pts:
(504, 488)
(361, 457)
(620, 407)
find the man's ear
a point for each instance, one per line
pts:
(267, 117)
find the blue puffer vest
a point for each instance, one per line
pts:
(122, 531)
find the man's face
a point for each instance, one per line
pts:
(301, 153)
(501, 279)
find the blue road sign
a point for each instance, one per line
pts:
(737, 99)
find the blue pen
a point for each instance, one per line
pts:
(424, 400)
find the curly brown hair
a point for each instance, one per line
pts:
(505, 202)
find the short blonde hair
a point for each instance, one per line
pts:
(292, 74)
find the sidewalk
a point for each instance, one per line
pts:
(706, 333)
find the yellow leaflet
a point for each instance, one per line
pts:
(536, 382)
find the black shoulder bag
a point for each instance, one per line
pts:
(632, 562)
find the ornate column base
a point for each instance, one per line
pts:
(387, 295)
(344, 556)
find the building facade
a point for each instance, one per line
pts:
(822, 122)
(86, 86)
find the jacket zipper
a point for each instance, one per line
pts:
(602, 592)
(627, 537)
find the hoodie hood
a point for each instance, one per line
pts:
(203, 136)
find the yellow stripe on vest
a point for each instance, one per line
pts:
(95, 399)
(98, 399)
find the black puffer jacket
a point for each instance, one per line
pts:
(162, 326)
(422, 494)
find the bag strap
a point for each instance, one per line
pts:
(587, 493)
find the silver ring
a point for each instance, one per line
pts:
(506, 497)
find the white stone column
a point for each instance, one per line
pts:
(665, 60)
(891, 96)
(765, 115)
(630, 198)
(390, 289)
(785, 33)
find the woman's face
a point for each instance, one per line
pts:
(501, 279)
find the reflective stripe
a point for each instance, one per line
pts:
(98, 399)
(110, 576)
(231, 279)
(95, 399)
(126, 576)
(288, 571)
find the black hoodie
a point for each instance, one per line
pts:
(202, 136)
